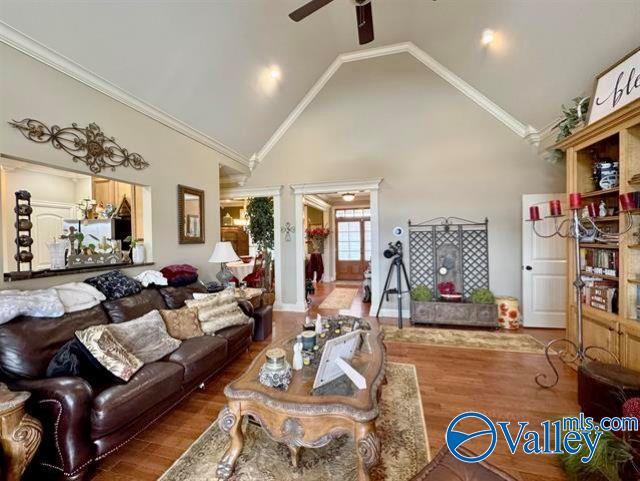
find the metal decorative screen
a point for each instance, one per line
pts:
(449, 249)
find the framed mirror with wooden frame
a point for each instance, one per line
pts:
(190, 215)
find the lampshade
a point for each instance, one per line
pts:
(224, 252)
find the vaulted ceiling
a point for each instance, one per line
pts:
(204, 62)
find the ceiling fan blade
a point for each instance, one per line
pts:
(307, 9)
(364, 17)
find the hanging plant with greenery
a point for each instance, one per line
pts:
(260, 216)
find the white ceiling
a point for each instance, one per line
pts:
(201, 61)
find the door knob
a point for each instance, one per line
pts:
(529, 268)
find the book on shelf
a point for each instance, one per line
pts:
(603, 262)
(600, 294)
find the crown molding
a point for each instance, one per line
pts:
(315, 201)
(235, 192)
(36, 50)
(527, 132)
(330, 187)
(234, 179)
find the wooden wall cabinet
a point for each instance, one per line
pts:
(112, 192)
(629, 345)
(616, 136)
(238, 237)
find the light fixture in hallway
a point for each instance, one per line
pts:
(348, 197)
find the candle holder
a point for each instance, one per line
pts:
(576, 227)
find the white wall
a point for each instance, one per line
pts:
(29, 88)
(438, 152)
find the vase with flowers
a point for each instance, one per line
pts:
(316, 236)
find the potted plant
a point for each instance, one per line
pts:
(260, 216)
(317, 236)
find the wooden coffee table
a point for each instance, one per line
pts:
(299, 418)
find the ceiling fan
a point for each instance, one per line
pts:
(364, 17)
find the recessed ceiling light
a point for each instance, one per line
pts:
(274, 73)
(348, 197)
(487, 36)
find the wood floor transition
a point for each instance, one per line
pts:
(452, 380)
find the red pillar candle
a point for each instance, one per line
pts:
(554, 208)
(575, 200)
(593, 209)
(534, 213)
(627, 202)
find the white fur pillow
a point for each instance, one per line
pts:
(39, 303)
(78, 296)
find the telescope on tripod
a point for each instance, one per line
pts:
(394, 252)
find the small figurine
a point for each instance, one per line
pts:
(297, 354)
(318, 324)
(602, 209)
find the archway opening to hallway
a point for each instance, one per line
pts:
(336, 248)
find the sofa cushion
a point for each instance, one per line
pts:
(107, 350)
(200, 356)
(40, 303)
(135, 306)
(27, 344)
(218, 311)
(145, 337)
(180, 274)
(118, 405)
(174, 297)
(115, 285)
(235, 336)
(182, 323)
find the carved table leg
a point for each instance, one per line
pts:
(230, 421)
(295, 454)
(368, 449)
(20, 436)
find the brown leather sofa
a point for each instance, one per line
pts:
(84, 423)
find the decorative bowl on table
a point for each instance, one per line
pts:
(246, 259)
(451, 297)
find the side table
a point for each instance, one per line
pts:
(20, 434)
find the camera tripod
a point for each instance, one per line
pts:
(401, 271)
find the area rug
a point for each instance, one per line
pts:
(340, 298)
(489, 340)
(401, 428)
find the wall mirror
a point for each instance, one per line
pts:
(190, 215)
(65, 221)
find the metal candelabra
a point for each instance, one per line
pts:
(575, 227)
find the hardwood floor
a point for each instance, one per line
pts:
(499, 384)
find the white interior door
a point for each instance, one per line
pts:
(544, 267)
(47, 219)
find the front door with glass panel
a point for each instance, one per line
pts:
(353, 241)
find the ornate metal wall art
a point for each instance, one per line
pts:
(88, 145)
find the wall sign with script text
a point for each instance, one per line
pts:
(616, 87)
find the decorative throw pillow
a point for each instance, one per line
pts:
(106, 349)
(145, 337)
(40, 303)
(218, 311)
(78, 296)
(180, 274)
(73, 359)
(182, 323)
(115, 284)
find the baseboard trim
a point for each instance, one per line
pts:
(390, 312)
(288, 307)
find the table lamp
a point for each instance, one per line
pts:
(223, 253)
